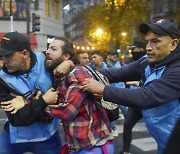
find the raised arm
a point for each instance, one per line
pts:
(155, 94)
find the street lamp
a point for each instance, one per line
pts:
(123, 34)
(82, 47)
(99, 32)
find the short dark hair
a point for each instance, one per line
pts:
(97, 52)
(112, 52)
(80, 52)
(67, 48)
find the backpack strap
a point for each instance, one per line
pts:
(96, 75)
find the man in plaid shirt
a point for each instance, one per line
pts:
(86, 126)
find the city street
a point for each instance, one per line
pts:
(142, 142)
(133, 44)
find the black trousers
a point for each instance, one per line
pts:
(132, 117)
(173, 145)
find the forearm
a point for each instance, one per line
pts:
(150, 96)
(125, 73)
(27, 114)
(30, 113)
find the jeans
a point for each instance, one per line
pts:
(123, 109)
(50, 146)
(97, 150)
(113, 125)
(132, 117)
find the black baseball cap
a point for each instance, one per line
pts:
(163, 27)
(139, 44)
(13, 42)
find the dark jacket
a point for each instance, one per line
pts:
(161, 91)
(157, 93)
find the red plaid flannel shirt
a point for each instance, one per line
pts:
(79, 114)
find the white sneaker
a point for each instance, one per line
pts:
(121, 117)
(115, 133)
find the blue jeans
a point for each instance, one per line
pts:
(123, 109)
(50, 146)
(96, 150)
(113, 125)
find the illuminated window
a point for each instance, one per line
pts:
(56, 9)
(15, 8)
(48, 8)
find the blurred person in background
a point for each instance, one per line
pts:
(83, 57)
(138, 50)
(97, 61)
(113, 62)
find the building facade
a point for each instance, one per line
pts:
(51, 18)
(164, 9)
(73, 19)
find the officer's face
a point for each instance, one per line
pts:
(16, 61)
(158, 47)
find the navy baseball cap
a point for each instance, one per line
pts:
(163, 27)
(13, 42)
(139, 44)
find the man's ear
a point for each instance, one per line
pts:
(66, 56)
(174, 44)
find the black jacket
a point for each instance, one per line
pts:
(157, 93)
(30, 112)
